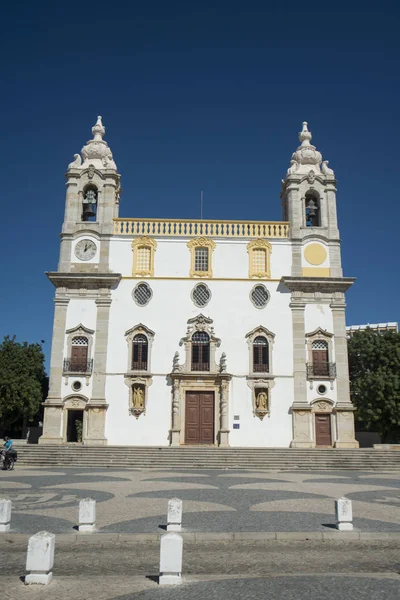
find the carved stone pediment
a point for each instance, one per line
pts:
(80, 330)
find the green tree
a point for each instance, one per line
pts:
(22, 382)
(374, 365)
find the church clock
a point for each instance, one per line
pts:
(85, 249)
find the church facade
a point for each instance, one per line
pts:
(180, 332)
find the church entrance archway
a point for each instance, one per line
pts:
(74, 425)
(323, 435)
(199, 417)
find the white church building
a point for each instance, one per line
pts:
(187, 332)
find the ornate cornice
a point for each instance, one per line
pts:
(318, 284)
(88, 281)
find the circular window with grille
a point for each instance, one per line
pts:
(142, 294)
(201, 294)
(321, 389)
(76, 386)
(259, 296)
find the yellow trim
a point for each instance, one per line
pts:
(200, 243)
(214, 278)
(316, 272)
(199, 228)
(315, 254)
(260, 245)
(143, 242)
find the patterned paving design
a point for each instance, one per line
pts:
(216, 501)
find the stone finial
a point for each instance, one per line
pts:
(305, 135)
(5, 515)
(40, 558)
(171, 551)
(175, 362)
(98, 130)
(223, 363)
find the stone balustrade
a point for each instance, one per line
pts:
(196, 228)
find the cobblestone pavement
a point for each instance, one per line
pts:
(227, 571)
(216, 501)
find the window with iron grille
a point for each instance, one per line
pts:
(320, 358)
(143, 259)
(200, 351)
(140, 353)
(201, 259)
(259, 257)
(260, 355)
(259, 296)
(142, 294)
(201, 295)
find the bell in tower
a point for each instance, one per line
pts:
(89, 204)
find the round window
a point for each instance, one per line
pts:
(201, 295)
(76, 386)
(321, 389)
(142, 294)
(259, 296)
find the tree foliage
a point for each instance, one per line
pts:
(22, 381)
(374, 364)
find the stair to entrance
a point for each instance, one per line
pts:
(265, 459)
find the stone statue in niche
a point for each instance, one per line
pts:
(138, 398)
(261, 406)
(262, 401)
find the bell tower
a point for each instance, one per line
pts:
(92, 197)
(317, 303)
(83, 281)
(309, 204)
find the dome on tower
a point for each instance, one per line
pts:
(307, 158)
(96, 152)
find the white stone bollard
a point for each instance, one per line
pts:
(171, 549)
(344, 514)
(87, 515)
(5, 515)
(40, 558)
(174, 517)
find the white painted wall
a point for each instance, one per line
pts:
(167, 314)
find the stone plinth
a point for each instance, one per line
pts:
(171, 551)
(40, 558)
(5, 515)
(344, 514)
(87, 515)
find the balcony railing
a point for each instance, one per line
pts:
(197, 228)
(77, 366)
(321, 371)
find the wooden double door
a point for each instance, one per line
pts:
(199, 418)
(323, 435)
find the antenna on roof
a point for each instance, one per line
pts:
(201, 204)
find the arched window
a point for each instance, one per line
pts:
(320, 358)
(79, 354)
(89, 210)
(313, 213)
(260, 355)
(200, 351)
(140, 353)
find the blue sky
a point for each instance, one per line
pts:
(195, 96)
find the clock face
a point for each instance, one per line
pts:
(85, 249)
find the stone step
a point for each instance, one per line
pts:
(209, 458)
